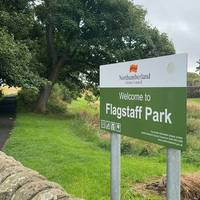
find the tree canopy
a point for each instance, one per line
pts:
(14, 61)
(15, 56)
(69, 39)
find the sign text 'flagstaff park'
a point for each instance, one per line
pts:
(146, 99)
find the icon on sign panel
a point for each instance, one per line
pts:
(113, 125)
(133, 68)
(118, 127)
(103, 124)
(107, 125)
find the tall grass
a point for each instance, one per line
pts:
(193, 117)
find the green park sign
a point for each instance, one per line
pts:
(146, 99)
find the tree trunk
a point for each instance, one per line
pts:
(43, 98)
(45, 92)
(57, 64)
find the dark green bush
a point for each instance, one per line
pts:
(57, 106)
(57, 101)
(126, 147)
(27, 98)
(57, 92)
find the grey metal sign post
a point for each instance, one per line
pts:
(115, 166)
(173, 174)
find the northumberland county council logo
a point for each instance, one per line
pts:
(133, 75)
(133, 68)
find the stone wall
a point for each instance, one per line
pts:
(20, 183)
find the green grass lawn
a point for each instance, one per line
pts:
(196, 100)
(53, 146)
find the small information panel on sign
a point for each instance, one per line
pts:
(146, 99)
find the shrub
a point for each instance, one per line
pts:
(57, 92)
(193, 92)
(57, 106)
(89, 97)
(126, 147)
(27, 98)
(57, 102)
(193, 125)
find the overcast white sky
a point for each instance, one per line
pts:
(180, 20)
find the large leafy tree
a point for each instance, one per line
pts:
(82, 34)
(69, 39)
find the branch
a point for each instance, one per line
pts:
(56, 69)
(50, 44)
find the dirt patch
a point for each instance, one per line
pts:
(190, 186)
(142, 188)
